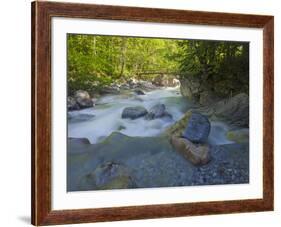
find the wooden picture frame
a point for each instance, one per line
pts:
(42, 12)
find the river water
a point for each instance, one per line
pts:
(100, 121)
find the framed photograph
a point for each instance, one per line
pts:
(142, 113)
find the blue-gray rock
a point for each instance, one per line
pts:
(197, 129)
(157, 111)
(134, 112)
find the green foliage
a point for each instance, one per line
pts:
(222, 67)
(97, 61)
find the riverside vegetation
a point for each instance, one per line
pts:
(147, 112)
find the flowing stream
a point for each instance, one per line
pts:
(100, 121)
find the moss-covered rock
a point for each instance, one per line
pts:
(108, 175)
(178, 128)
(238, 136)
(149, 162)
(120, 182)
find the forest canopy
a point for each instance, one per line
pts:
(96, 61)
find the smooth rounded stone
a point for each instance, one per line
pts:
(134, 112)
(197, 129)
(139, 92)
(82, 94)
(238, 136)
(157, 111)
(108, 175)
(72, 104)
(83, 99)
(195, 153)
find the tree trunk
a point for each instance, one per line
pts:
(123, 56)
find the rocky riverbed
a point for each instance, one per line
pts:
(143, 162)
(124, 140)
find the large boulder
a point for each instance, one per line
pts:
(109, 175)
(191, 88)
(177, 128)
(197, 129)
(134, 112)
(197, 154)
(157, 111)
(82, 94)
(193, 126)
(196, 89)
(234, 110)
(83, 99)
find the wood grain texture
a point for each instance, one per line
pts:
(268, 113)
(42, 12)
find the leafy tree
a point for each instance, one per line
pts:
(96, 61)
(222, 67)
